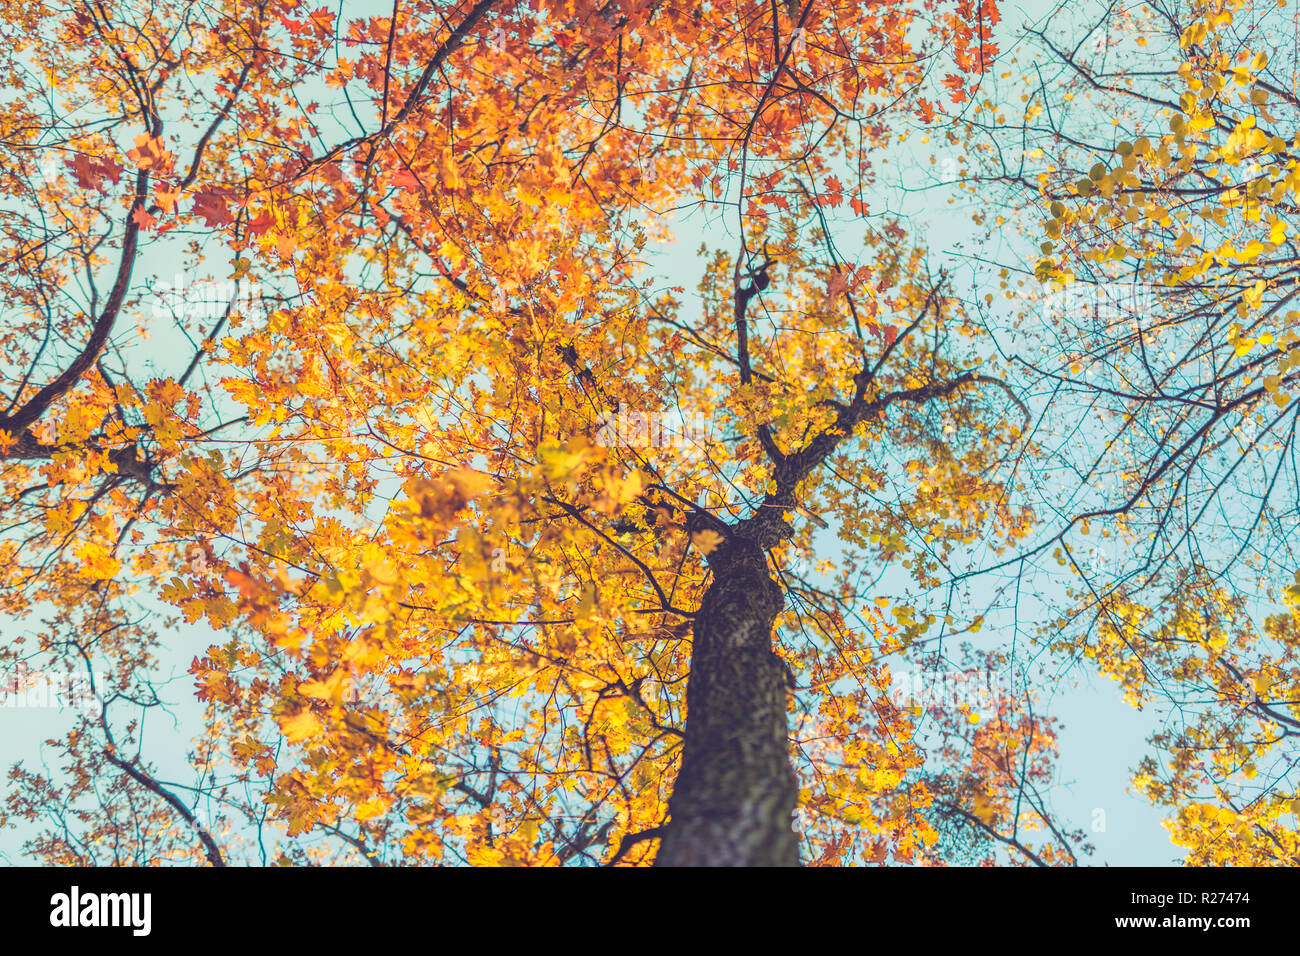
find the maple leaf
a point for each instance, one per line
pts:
(956, 87)
(166, 197)
(142, 218)
(329, 689)
(466, 483)
(285, 244)
(406, 179)
(302, 726)
(880, 851)
(322, 21)
(98, 562)
(149, 154)
(261, 223)
(369, 809)
(111, 170)
(90, 173)
(213, 207)
(707, 541)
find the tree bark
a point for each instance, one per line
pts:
(735, 795)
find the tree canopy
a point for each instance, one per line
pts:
(349, 339)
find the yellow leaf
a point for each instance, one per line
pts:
(707, 541)
(467, 482)
(484, 855)
(449, 171)
(984, 809)
(329, 689)
(381, 571)
(370, 809)
(301, 726)
(97, 562)
(559, 462)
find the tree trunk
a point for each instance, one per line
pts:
(735, 796)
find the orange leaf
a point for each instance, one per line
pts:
(142, 218)
(150, 155)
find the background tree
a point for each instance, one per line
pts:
(1156, 161)
(512, 547)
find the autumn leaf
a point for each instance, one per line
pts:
(212, 206)
(466, 483)
(407, 180)
(285, 244)
(142, 218)
(260, 223)
(449, 170)
(150, 155)
(97, 562)
(707, 541)
(300, 727)
(329, 689)
(90, 172)
(166, 197)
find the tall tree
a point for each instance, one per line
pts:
(512, 546)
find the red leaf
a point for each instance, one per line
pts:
(212, 207)
(143, 219)
(91, 173)
(111, 170)
(957, 86)
(86, 172)
(261, 223)
(321, 21)
(406, 179)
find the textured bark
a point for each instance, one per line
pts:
(735, 795)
